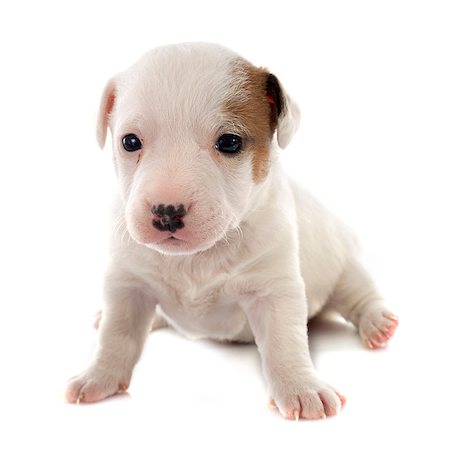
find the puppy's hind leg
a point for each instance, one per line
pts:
(159, 321)
(356, 298)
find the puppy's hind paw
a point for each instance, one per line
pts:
(377, 326)
(97, 320)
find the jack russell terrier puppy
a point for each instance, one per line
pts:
(223, 244)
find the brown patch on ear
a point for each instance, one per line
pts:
(255, 108)
(274, 97)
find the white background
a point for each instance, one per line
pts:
(373, 83)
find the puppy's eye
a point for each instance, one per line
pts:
(229, 143)
(131, 143)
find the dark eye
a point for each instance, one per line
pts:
(229, 143)
(131, 143)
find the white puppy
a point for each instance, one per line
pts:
(224, 245)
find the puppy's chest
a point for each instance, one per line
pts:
(188, 292)
(200, 303)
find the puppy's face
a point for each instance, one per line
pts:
(192, 128)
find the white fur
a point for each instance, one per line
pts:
(255, 259)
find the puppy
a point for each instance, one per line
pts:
(222, 243)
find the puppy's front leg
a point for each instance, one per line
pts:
(124, 327)
(279, 324)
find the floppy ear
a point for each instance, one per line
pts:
(285, 112)
(104, 112)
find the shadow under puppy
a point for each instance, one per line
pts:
(223, 244)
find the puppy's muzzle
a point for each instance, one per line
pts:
(168, 217)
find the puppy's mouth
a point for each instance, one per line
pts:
(174, 245)
(172, 240)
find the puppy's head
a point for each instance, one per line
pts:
(193, 129)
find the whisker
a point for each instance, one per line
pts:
(118, 222)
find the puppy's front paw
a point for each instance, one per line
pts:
(95, 384)
(308, 398)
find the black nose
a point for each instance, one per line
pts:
(168, 217)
